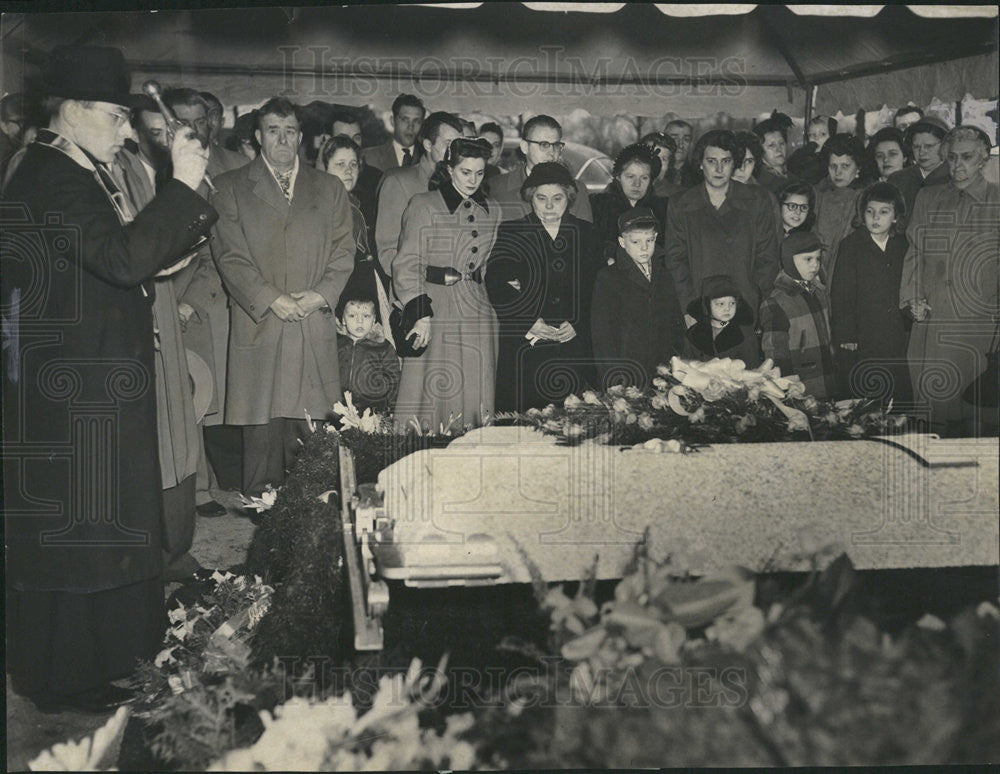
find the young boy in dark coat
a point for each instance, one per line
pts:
(795, 317)
(868, 328)
(635, 317)
(369, 367)
(724, 326)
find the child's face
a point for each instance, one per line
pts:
(879, 218)
(819, 133)
(807, 264)
(723, 309)
(639, 244)
(359, 318)
(794, 211)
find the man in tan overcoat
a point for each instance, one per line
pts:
(285, 251)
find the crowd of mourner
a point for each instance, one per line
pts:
(426, 281)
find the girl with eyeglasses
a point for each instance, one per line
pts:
(797, 206)
(447, 322)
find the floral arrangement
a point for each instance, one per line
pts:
(190, 694)
(717, 671)
(693, 402)
(331, 735)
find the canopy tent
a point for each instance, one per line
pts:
(505, 57)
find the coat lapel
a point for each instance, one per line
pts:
(266, 187)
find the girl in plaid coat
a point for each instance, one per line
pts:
(796, 317)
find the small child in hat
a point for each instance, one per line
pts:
(369, 367)
(635, 318)
(724, 326)
(795, 317)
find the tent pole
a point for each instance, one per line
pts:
(810, 93)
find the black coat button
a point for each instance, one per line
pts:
(472, 219)
(468, 204)
(472, 265)
(474, 233)
(474, 249)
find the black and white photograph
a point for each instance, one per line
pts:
(499, 385)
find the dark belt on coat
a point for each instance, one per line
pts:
(448, 275)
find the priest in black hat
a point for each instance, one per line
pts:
(83, 509)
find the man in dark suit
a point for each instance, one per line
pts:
(284, 247)
(401, 185)
(402, 149)
(83, 507)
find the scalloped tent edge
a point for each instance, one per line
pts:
(608, 59)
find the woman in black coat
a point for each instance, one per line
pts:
(868, 328)
(635, 169)
(540, 277)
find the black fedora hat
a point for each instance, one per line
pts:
(91, 73)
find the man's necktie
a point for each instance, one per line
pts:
(285, 181)
(407, 157)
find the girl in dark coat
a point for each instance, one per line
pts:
(540, 277)
(635, 169)
(867, 326)
(724, 326)
(635, 318)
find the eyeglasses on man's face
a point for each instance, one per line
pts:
(121, 117)
(545, 145)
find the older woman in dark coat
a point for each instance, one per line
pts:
(539, 277)
(635, 169)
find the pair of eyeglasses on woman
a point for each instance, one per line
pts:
(545, 145)
(796, 207)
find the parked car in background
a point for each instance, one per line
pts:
(590, 167)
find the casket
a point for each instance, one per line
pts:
(502, 503)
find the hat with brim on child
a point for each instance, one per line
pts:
(637, 218)
(796, 243)
(719, 286)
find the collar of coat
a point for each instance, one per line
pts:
(624, 265)
(738, 196)
(729, 337)
(453, 199)
(976, 190)
(614, 190)
(66, 146)
(789, 284)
